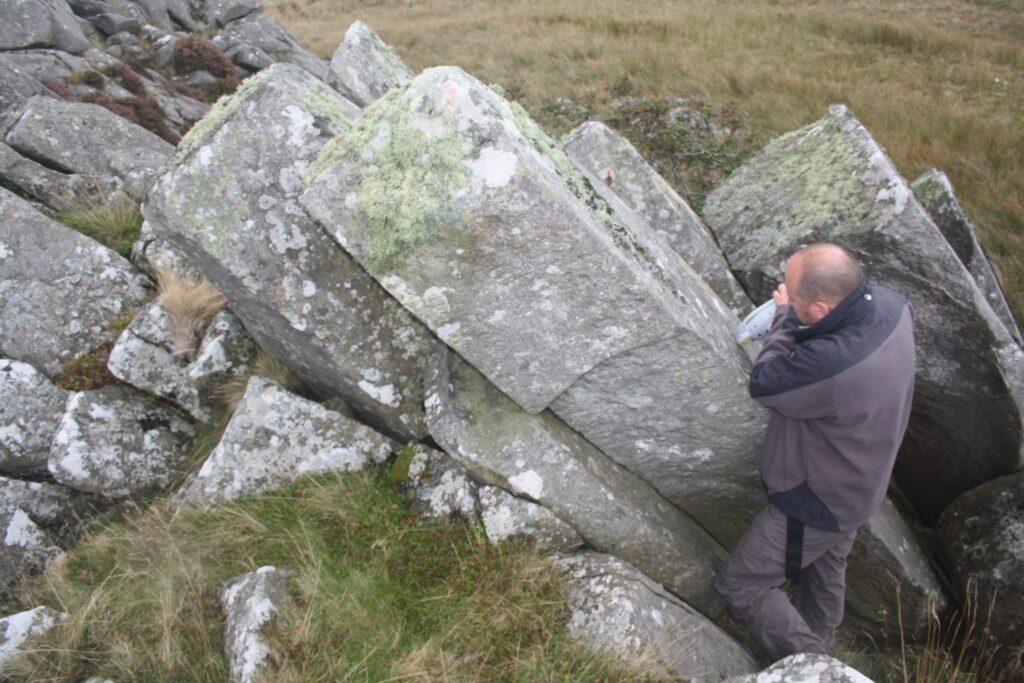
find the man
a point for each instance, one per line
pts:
(837, 371)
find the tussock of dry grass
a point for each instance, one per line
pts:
(191, 305)
(115, 224)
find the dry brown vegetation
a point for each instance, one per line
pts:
(938, 82)
(191, 304)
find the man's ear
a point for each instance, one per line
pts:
(819, 309)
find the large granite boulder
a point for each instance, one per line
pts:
(229, 204)
(273, 439)
(59, 290)
(618, 166)
(119, 443)
(364, 67)
(83, 145)
(805, 668)
(251, 602)
(936, 195)
(40, 23)
(24, 547)
(256, 38)
(17, 630)
(982, 539)
(831, 181)
(539, 458)
(615, 608)
(506, 517)
(30, 411)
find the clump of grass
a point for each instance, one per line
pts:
(194, 53)
(191, 305)
(115, 224)
(380, 595)
(89, 77)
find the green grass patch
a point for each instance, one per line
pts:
(380, 595)
(115, 225)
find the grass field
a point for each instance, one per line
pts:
(939, 83)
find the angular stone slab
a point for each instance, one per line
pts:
(936, 195)
(438, 487)
(225, 352)
(617, 166)
(615, 608)
(982, 540)
(40, 23)
(539, 458)
(17, 86)
(251, 602)
(30, 411)
(119, 443)
(229, 205)
(259, 32)
(275, 438)
(223, 12)
(57, 509)
(83, 146)
(24, 547)
(18, 629)
(506, 516)
(471, 217)
(364, 67)
(806, 668)
(831, 181)
(58, 191)
(59, 290)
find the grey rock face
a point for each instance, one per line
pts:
(82, 147)
(806, 668)
(222, 12)
(24, 547)
(506, 516)
(18, 629)
(982, 538)
(118, 443)
(263, 34)
(225, 352)
(831, 181)
(47, 23)
(30, 411)
(251, 602)
(437, 486)
(16, 87)
(617, 166)
(539, 458)
(55, 508)
(273, 439)
(618, 609)
(59, 290)
(364, 67)
(58, 191)
(936, 195)
(230, 205)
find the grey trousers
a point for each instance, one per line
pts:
(751, 585)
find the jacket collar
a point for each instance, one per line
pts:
(851, 309)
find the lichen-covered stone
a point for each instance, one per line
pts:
(805, 668)
(506, 516)
(539, 458)
(364, 67)
(17, 86)
(229, 204)
(57, 509)
(273, 439)
(617, 166)
(83, 145)
(30, 411)
(437, 486)
(251, 602)
(936, 195)
(118, 443)
(40, 23)
(24, 547)
(982, 540)
(832, 181)
(18, 629)
(59, 290)
(224, 352)
(615, 608)
(260, 32)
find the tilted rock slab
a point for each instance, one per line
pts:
(40, 23)
(936, 195)
(618, 166)
(118, 442)
(229, 204)
(275, 438)
(59, 290)
(58, 191)
(539, 458)
(258, 32)
(364, 67)
(506, 516)
(437, 486)
(831, 181)
(617, 609)
(83, 145)
(18, 629)
(24, 547)
(982, 539)
(17, 86)
(251, 602)
(806, 668)
(30, 411)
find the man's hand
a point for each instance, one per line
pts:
(781, 296)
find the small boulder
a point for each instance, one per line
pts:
(437, 486)
(265, 36)
(251, 602)
(58, 510)
(18, 629)
(364, 67)
(40, 23)
(24, 547)
(806, 668)
(506, 516)
(30, 411)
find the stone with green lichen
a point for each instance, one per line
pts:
(364, 67)
(230, 205)
(832, 181)
(437, 487)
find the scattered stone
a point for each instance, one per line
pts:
(616, 608)
(40, 23)
(273, 439)
(57, 509)
(364, 67)
(263, 33)
(251, 602)
(17, 629)
(806, 668)
(438, 487)
(832, 181)
(24, 547)
(59, 290)
(30, 411)
(119, 443)
(506, 516)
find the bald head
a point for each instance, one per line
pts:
(826, 272)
